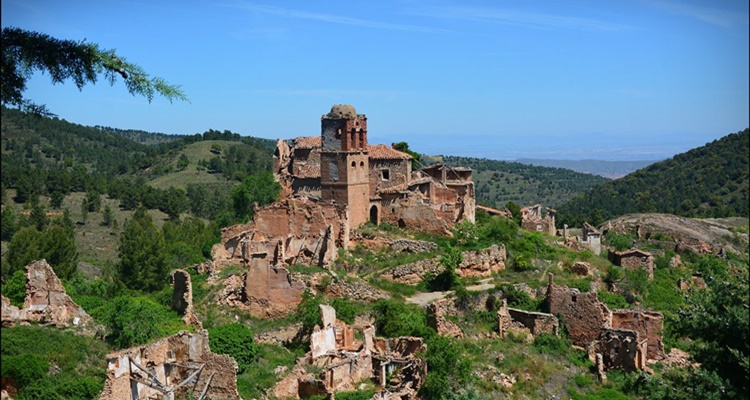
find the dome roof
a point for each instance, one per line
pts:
(342, 111)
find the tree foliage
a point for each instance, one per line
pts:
(25, 52)
(260, 188)
(143, 258)
(708, 181)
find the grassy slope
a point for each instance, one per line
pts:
(191, 175)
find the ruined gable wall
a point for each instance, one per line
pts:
(582, 313)
(649, 326)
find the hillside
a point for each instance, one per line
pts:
(498, 182)
(605, 169)
(708, 181)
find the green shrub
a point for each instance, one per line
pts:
(448, 370)
(356, 395)
(15, 288)
(136, 320)
(551, 343)
(234, 340)
(393, 319)
(25, 369)
(619, 242)
(613, 300)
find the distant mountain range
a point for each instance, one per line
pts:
(606, 169)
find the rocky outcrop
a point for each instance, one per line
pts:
(47, 303)
(478, 263)
(171, 367)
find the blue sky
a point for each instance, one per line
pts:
(613, 80)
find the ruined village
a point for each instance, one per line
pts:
(345, 202)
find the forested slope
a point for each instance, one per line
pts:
(708, 181)
(498, 182)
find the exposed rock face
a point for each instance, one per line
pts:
(475, 263)
(690, 234)
(46, 302)
(182, 298)
(160, 368)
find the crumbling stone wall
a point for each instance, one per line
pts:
(47, 303)
(534, 323)
(582, 313)
(436, 319)
(474, 263)
(620, 349)
(182, 297)
(293, 231)
(649, 326)
(159, 368)
(345, 362)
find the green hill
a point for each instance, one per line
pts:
(498, 182)
(708, 181)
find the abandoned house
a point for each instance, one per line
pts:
(179, 365)
(634, 259)
(538, 218)
(624, 339)
(592, 238)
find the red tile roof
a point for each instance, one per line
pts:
(383, 152)
(306, 171)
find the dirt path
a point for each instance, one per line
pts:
(422, 299)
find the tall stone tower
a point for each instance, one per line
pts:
(344, 162)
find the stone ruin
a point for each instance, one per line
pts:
(633, 259)
(592, 238)
(393, 364)
(515, 321)
(626, 339)
(479, 263)
(538, 218)
(47, 303)
(372, 183)
(182, 298)
(171, 367)
(294, 231)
